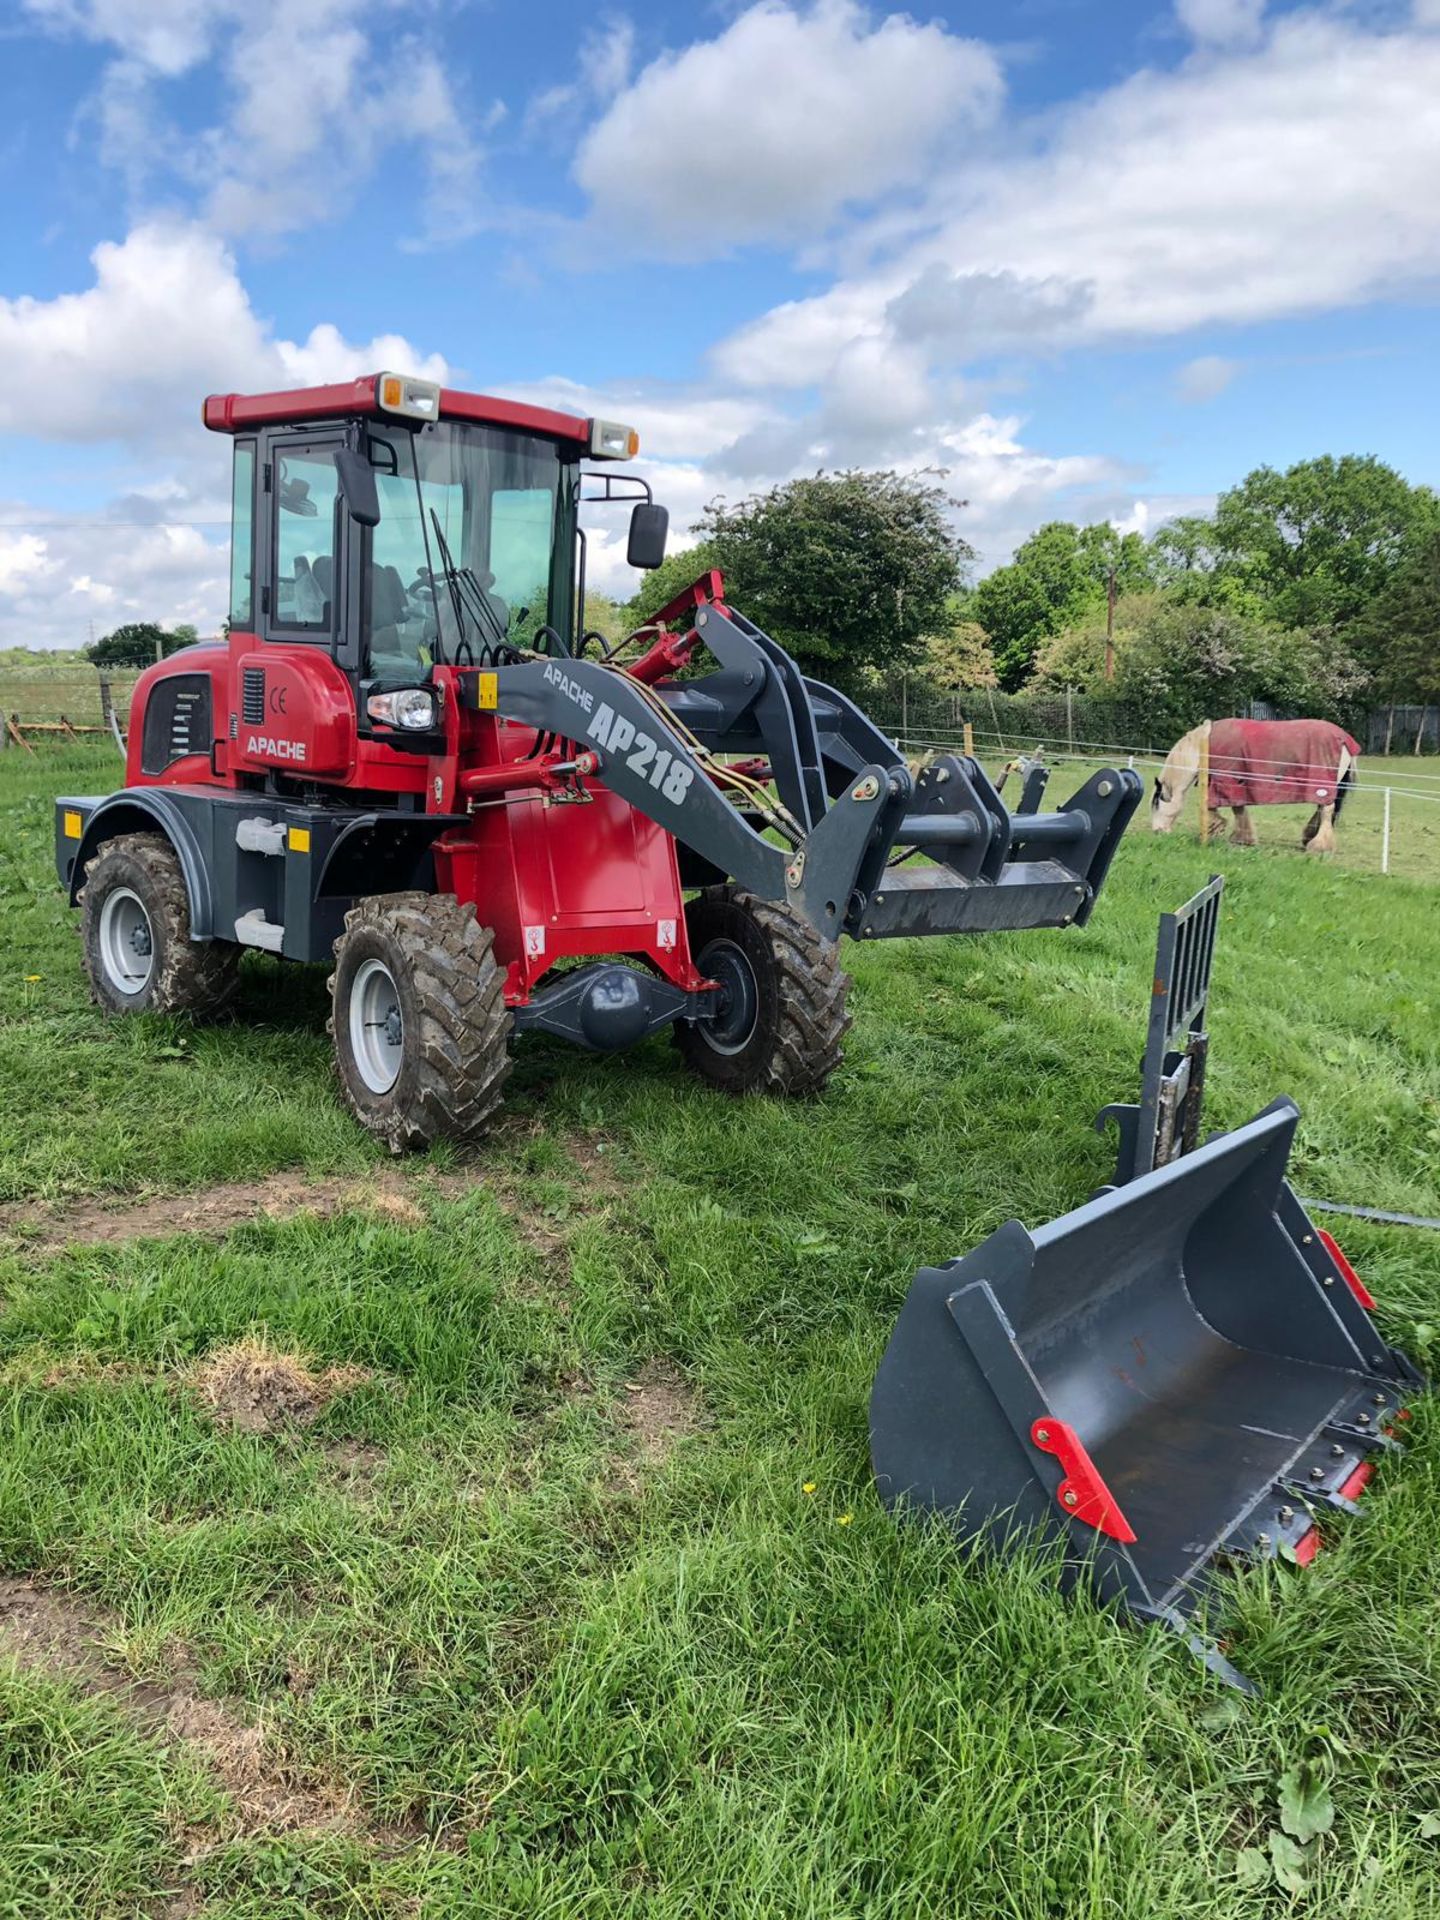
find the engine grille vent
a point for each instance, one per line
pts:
(177, 721)
(190, 723)
(252, 700)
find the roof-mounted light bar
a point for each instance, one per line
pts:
(411, 399)
(609, 440)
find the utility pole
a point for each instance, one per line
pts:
(1110, 627)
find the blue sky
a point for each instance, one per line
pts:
(1093, 260)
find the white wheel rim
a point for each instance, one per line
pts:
(377, 1033)
(127, 941)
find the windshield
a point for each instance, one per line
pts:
(496, 497)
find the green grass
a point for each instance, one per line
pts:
(585, 1682)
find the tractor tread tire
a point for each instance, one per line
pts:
(457, 1026)
(198, 977)
(802, 1020)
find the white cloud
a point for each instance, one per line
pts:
(1221, 22)
(128, 360)
(166, 36)
(24, 557)
(673, 422)
(971, 314)
(1242, 187)
(94, 570)
(768, 131)
(603, 68)
(313, 95)
(1205, 378)
(313, 110)
(166, 321)
(1145, 515)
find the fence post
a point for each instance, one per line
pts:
(1203, 788)
(1070, 720)
(1385, 836)
(904, 704)
(969, 741)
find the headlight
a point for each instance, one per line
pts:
(412, 708)
(609, 440)
(414, 399)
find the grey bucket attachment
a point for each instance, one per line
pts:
(1178, 1373)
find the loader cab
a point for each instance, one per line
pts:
(395, 526)
(471, 548)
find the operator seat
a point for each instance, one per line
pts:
(322, 567)
(389, 615)
(312, 601)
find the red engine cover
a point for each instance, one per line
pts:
(294, 709)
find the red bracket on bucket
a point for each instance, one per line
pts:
(1347, 1273)
(1082, 1494)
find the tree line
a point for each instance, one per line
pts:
(1316, 588)
(138, 644)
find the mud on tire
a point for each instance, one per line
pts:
(442, 1022)
(789, 1041)
(135, 925)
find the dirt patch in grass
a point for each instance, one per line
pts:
(657, 1408)
(43, 1628)
(592, 1158)
(43, 1228)
(253, 1387)
(355, 1464)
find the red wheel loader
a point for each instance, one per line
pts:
(408, 757)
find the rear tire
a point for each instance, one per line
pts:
(135, 923)
(418, 1019)
(782, 1009)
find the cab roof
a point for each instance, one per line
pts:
(238, 412)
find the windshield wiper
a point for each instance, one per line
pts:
(467, 593)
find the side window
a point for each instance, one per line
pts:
(522, 521)
(242, 539)
(305, 492)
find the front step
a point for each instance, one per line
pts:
(258, 835)
(254, 930)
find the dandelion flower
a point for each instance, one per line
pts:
(32, 979)
(844, 1519)
(809, 1487)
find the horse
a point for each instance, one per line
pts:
(1257, 763)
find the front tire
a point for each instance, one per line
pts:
(135, 924)
(418, 1019)
(781, 1016)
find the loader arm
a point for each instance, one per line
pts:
(848, 803)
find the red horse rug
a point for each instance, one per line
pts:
(1261, 763)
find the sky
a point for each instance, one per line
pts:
(1092, 259)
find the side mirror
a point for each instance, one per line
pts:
(649, 525)
(357, 486)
